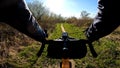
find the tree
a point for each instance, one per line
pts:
(85, 15)
(85, 19)
(37, 8)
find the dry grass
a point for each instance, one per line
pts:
(115, 35)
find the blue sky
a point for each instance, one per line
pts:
(69, 8)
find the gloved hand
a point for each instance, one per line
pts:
(90, 34)
(45, 36)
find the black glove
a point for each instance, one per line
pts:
(91, 35)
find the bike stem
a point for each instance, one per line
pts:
(65, 60)
(65, 63)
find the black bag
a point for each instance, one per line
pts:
(76, 49)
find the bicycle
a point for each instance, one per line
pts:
(66, 48)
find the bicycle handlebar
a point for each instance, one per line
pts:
(67, 47)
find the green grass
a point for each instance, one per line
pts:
(108, 52)
(72, 30)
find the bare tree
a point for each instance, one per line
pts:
(38, 9)
(85, 15)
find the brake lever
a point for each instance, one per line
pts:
(94, 54)
(41, 50)
(43, 44)
(92, 50)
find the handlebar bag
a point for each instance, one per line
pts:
(75, 49)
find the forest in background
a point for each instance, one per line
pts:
(17, 49)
